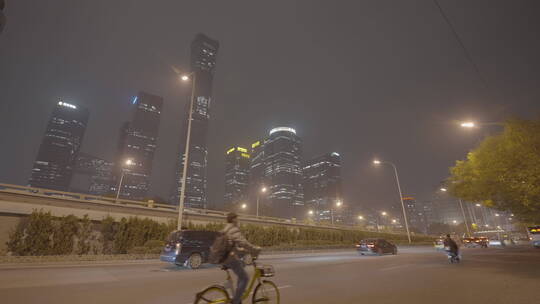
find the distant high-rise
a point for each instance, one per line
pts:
(138, 139)
(91, 175)
(322, 187)
(256, 171)
(203, 60)
(63, 137)
(237, 163)
(283, 172)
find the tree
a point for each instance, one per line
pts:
(503, 172)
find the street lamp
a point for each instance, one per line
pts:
(263, 190)
(454, 221)
(478, 205)
(310, 212)
(360, 217)
(462, 212)
(128, 162)
(468, 124)
(243, 206)
(185, 78)
(394, 221)
(378, 162)
(338, 204)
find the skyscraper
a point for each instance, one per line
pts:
(203, 60)
(237, 163)
(322, 187)
(256, 171)
(91, 175)
(138, 139)
(283, 172)
(63, 137)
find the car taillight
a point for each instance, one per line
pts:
(371, 245)
(357, 245)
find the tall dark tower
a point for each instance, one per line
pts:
(61, 143)
(237, 163)
(138, 139)
(203, 60)
(322, 187)
(283, 172)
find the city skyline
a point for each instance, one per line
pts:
(363, 100)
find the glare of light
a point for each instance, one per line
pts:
(244, 206)
(454, 221)
(486, 225)
(310, 212)
(496, 214)
(135, 98)
(444, 189)
(498, 227)
(263, 190)
(394, 221)
(468, 124)
(512, 214)
(360, 217)
(184, 77)
(384, 213)
(478, 205)
(339, 203)
(129, 162)
(377, 162)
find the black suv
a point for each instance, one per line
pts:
(375, 246)
(188, 248)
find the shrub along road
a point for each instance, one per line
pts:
(415, 275)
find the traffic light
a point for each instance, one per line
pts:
(2, 16)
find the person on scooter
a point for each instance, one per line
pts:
(451, 246)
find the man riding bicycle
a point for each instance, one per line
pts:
(241, 246)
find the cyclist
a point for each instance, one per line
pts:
(241, 246)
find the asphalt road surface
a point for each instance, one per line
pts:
(415, 275)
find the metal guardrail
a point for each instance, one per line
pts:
(108, 201)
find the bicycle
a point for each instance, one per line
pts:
(265, 291)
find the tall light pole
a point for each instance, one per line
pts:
(378, 162)
(462, 213)
(128, 162)
(186, 151)
(263, 190)
(338, 204)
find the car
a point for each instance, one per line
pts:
(472, 242)
(375, 246)
(439, 244)
(189, 248)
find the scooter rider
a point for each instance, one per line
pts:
(451, 246)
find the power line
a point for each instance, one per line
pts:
(467, 53)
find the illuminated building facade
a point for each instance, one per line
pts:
(322, 187)
(283, 173)
(138, 138)
(237, 164)
(203, 60)
(91, 175)
(61, 143)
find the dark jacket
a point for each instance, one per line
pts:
(448, 242)
(241, 245)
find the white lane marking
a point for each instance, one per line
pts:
(394, 267)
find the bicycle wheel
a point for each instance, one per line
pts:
(213, 295)
(266, 292)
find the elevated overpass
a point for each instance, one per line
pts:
(20, 201)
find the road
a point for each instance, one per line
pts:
(415, 275)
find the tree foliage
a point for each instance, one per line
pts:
(503, 172)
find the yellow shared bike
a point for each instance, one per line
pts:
(265, 291)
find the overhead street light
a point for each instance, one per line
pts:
(185, 77)
(378, 162)
(468, 124)
(128, 162)
(263, 190)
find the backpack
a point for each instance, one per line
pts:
(220, 249)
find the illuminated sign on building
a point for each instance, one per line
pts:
(67, 105)
(286, 129)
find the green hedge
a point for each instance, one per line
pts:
(43, 234)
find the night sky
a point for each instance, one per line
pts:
(366, 79)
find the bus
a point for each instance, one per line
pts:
(534, 235)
